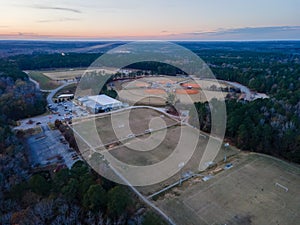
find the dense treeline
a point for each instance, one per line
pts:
(277, 74)
(19, 98)
(50, 61)
(72, 196)
(266, 126)
(156, 68)
(10, 69)
(270, 126)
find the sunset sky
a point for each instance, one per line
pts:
(150, 19)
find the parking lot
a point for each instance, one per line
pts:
(50, 147)
(61, 111)
(67, 110)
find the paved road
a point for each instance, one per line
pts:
(244, 89)
(37, 85)
(250, 96)
(54, 91)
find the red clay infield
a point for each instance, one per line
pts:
(186, 91)
(193, 85)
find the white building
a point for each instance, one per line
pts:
(65, 97)
(97, 103)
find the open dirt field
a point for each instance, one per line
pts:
(116, 126)
(144, 149)
(71, 74)
(248, 193)
(61, 75)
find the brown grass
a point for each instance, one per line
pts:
(245, 194)
(155, 91)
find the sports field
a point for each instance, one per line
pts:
(64, 74)
(124, 134)
(155, 90)
(257, 190)
(113, 127)
(69, 74)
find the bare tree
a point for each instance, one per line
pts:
(44, 210)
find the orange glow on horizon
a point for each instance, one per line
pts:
(81, 34)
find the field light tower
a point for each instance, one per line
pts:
(226, 145)
(180, 166)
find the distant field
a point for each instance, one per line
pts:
(245, 194)
(45, 82)
(65, 74)
(154, 90)
(71, 74)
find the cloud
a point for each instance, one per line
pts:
(26, 34)
(57, 20)
(246, 33)
(58, 8)
(259, 30)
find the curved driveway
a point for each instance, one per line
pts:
(54, 91)
(243, 89)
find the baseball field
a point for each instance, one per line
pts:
(155, 90)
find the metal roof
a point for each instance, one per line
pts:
(104, 100)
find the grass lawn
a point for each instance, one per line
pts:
(45, 82)
(252, 192)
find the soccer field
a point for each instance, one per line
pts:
(121, 125)
(257, 190)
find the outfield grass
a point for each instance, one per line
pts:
(45, 82)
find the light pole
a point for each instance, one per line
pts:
(226, 145)
(180, 166)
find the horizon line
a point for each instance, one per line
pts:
(132, 40)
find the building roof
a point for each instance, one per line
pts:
(90, 104)
(83, 99)
(65, 95)
(104, 100)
